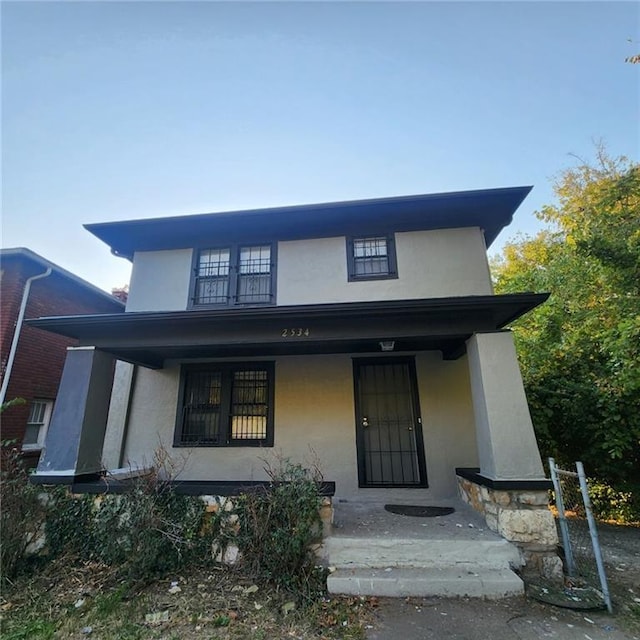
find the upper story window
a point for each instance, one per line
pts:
(235, 275)
(37, 424)
(371, 258)
(226, 405)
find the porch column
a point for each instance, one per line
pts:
(73, 446)
(507, 447)
(118, 417)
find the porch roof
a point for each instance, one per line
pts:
(150, 338)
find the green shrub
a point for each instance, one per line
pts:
(620, 503)
(152, 530)
(21, 515)
(146, 531)
(68, 524)
(278, 526)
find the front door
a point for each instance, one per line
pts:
(388, 424)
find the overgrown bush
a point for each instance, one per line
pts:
(68, 523)
(278, 527)
(146, 531)
(150, 529)
(21, 515)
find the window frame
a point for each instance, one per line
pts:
(227, 369)
(392, 260)
(234, 272)
(43, 426)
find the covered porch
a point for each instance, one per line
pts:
(463, 426)
(92, 427)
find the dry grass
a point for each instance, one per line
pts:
(68, 597)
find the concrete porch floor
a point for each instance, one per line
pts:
(374, 552)
(370, 519)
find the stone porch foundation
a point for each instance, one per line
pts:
(521, 517)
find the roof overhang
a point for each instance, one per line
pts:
(151, 338)
(26, 255)
(488, 209)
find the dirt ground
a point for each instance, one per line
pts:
(621, 552)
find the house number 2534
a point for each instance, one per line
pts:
(295, 333)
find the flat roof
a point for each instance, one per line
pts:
(488, 209)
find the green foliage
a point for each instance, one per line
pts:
(151, 532)
(21, 515)
(580, 352)
(146, 531)
(621, 504)
(68, 523)
(31, 630)
(278, 527)
(11, 403)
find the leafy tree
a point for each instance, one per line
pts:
(580, 352)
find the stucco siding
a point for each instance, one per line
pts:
(431, 264)
(314, 422)
(160, 280)
(447, 418)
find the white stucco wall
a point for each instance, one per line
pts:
(160, 280)
(507, 444)
(431, 264)
(447, 419)
(314, 419)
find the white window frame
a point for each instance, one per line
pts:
(42, 423)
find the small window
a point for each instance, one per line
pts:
(37, 424)
(371, 258)
(239, 275)
(226, 405)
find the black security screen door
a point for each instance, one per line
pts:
(388, 427)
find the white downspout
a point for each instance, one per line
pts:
(18, 329)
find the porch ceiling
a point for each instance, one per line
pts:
(150, 338)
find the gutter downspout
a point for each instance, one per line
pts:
(18, 330)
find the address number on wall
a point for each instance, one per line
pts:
(295, 333)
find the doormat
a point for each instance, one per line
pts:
(418, 511)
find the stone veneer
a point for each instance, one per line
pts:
(521, 517)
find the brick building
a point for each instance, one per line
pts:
(33, 371)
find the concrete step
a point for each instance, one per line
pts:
(444, 582)
(356, 552)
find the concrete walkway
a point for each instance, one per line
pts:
(473, 619)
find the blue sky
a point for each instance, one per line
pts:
(114, 110)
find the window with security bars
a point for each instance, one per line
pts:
(37, 424)
(239, 275)
(226, 405)
(371, 258)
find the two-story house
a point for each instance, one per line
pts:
(32, 359)
(366, 332)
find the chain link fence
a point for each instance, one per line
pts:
(582, 554)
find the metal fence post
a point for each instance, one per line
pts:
(562, 519)
(594, 536)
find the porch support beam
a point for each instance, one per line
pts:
(507, 447)
(73, 446)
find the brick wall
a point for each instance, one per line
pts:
(40, 356)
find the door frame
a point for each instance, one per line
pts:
(415, 401)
